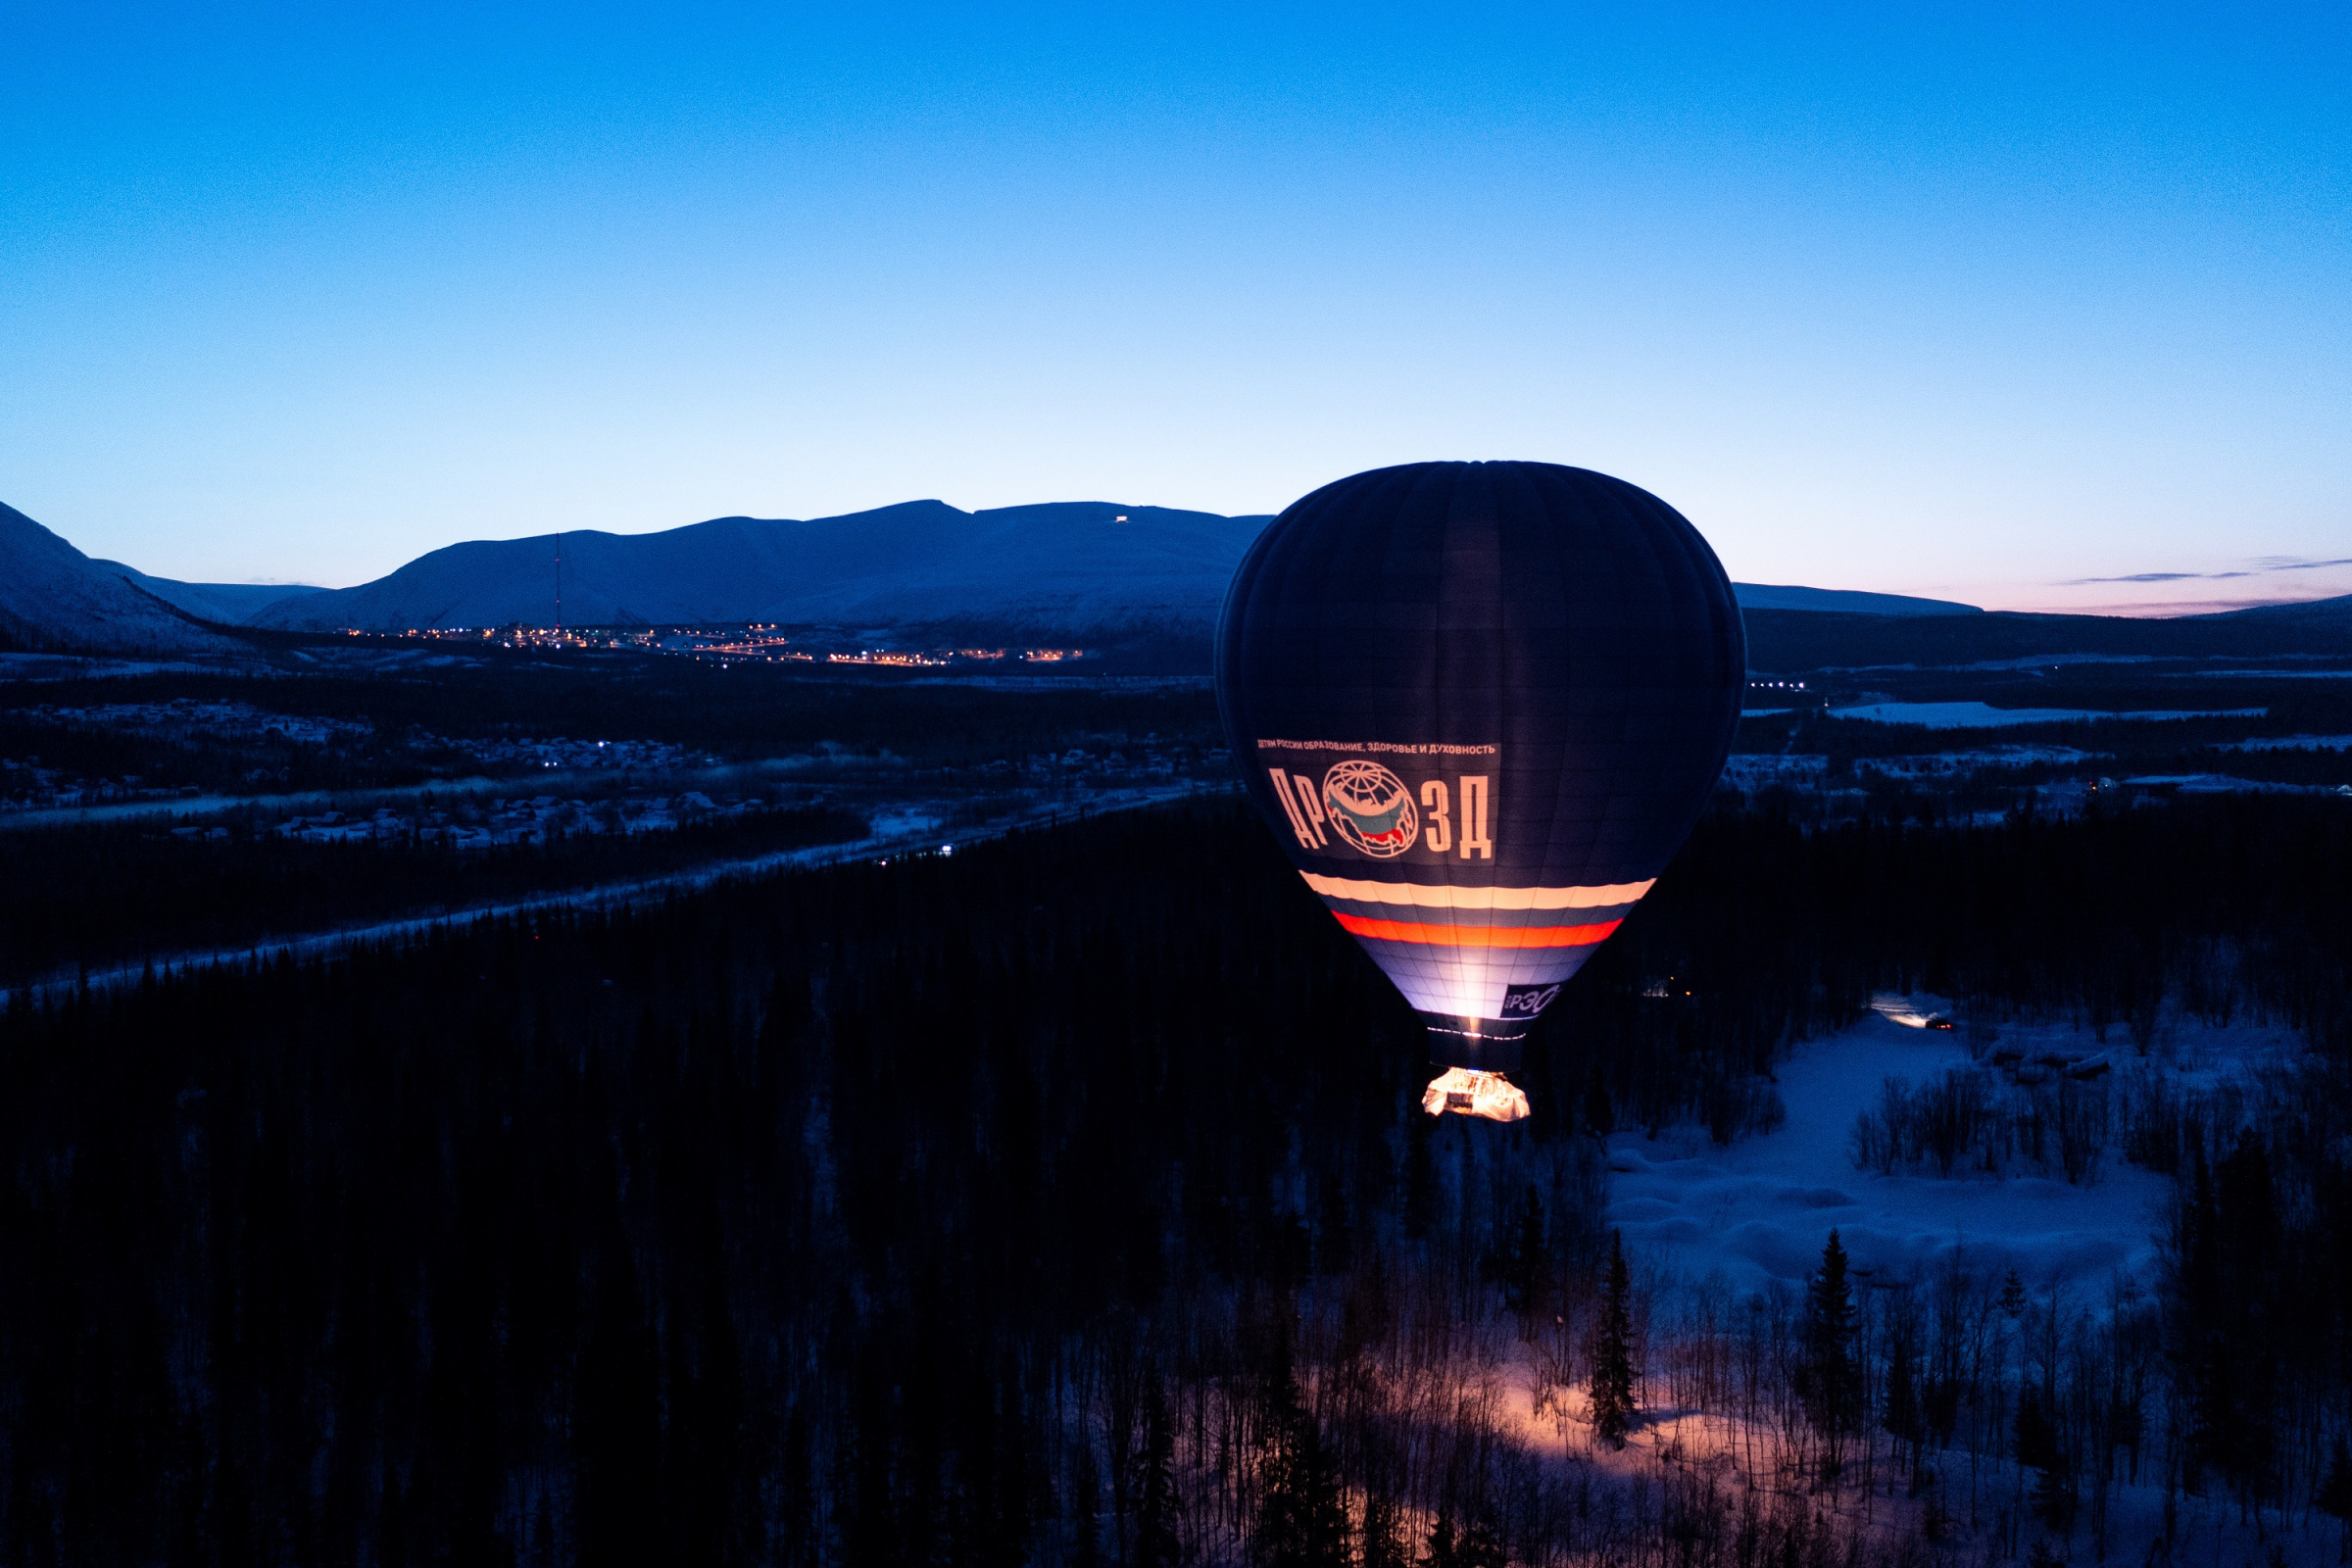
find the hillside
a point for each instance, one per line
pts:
(1843, 600)
(1070, 567)
(226, 602)
(53, 598)
(1146, 580)
(2334, 613)
(1797, 640)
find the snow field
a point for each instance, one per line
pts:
(1757, 1213)
(1983, 716)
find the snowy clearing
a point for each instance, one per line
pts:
(1757, 1213)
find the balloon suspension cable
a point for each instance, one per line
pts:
(1474, 1094)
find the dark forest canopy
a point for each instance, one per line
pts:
(736, 712)
(128, 893)
(942, 1211)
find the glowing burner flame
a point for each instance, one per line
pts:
(1474, 1094)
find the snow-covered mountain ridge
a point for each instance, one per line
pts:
(1065, 566)
(53, 597)
(1076, 567)
(1088, 568)
(230, 603)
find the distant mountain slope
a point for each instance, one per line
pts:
(1846, 601)
(228, 603)
(53, 597)
(2336, 613)
(1070, 566)
(1782, 640)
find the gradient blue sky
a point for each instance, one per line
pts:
(1957, 301)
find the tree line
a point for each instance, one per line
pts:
(738, 711)
(129, 892)
(1068, 1202)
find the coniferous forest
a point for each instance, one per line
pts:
(1067, 1200)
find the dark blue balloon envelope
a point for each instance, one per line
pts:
(1480, 705)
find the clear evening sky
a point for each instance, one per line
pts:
(1960, 302)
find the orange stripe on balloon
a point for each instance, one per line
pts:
(1479, 936)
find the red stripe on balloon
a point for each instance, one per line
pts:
(1479, 936)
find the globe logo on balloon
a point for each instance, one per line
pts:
(1371, 808)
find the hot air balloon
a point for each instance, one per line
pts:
(1480, 705)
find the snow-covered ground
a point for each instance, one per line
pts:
(912, 831)
(1934, 765)
(1750, 770)
(1755, 1216)
(2276, 674)
(2291, 743)
(1758, 1211)
(1983, 716)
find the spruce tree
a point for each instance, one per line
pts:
(1829, 1383)
(1613, 1351)
(2335, 1496)
(1478, 1549)
(1335, 1229)
(1301, 1519)
(2040, 1450)
(1420, 1178)
(1523, 1258)
(1905, 1420)
(1384, 1543)
(1601, 1117)
(1086, 1520)
(2203, 1293)
(1156, 1543)
(2246, 1332)
(2037, 1438)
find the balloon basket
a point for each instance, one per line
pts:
(1463, 1092)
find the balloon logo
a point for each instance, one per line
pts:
(1528, 1001)
(1370, 807)
(1543, 677)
